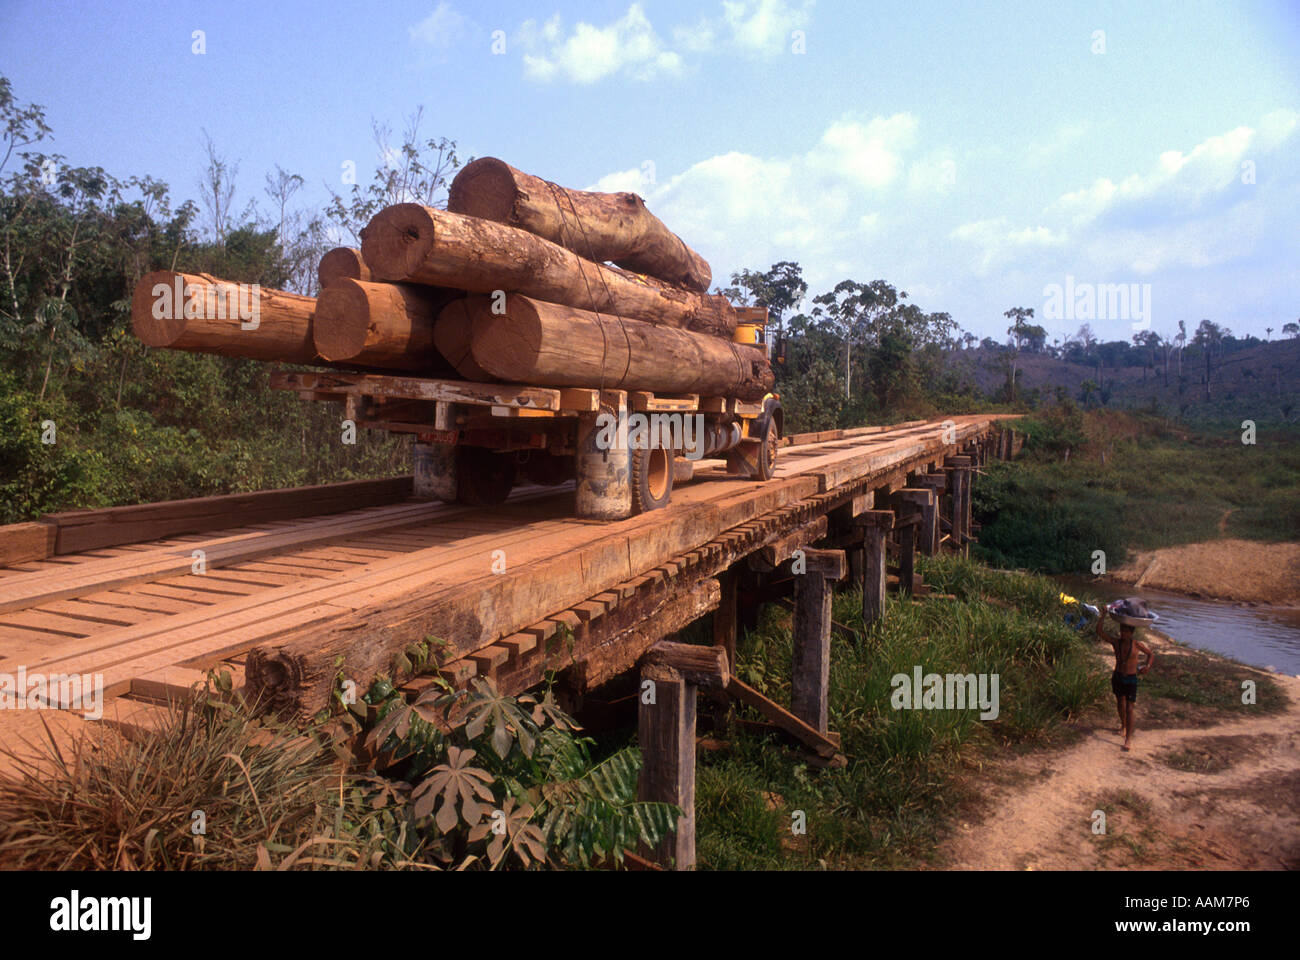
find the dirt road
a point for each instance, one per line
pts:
(1205, 787)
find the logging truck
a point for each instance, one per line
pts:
(624, 448)
(528, 333)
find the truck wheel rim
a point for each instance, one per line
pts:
(659, 468)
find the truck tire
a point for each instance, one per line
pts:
(652, 479)
(484, 478)
(767, 450)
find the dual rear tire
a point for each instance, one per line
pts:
(652, 479)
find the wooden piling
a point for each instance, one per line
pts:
(811, 665)
(666, 734)
(875, 526)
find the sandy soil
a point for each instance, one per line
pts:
(1242, 570)
(1195, 793)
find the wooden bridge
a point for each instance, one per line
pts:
(278, 588)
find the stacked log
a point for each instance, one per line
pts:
(383, 325)
(341, 263)
(557, 346)
(599, 226)
(521, 281)
(202, 313)
(412, 243)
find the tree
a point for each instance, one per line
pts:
(1208, 336)
(414, 172)
(853, 311)
(217, 190)
(1291, 329)
(1019, 332)
(1149, 341)
(1268, 334)
(780, 288)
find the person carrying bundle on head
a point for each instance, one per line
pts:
(1129, 613)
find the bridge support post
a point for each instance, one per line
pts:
(922, 499)
(671, 676)
(907, 555)
(725, 630)
(810, 680)
(666, 734)
(875, 525)
(961, 476)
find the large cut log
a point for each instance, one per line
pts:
(598, 226)
(546, 344)
(199, 312)
(451, 337)
(410, 242)
(387, 325)
(341, 263)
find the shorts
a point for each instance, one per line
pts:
(1124, 686)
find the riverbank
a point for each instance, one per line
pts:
(1244, 571)
(1211, 783)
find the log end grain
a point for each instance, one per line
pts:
(342, 319)
(451, 337)
(485, 188)
(341, 263)
(151, 329)
(507, 344)
(398, 240)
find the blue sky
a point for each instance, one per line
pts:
(970, 153)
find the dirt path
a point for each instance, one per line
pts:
(1223, 522)
(1219, 796)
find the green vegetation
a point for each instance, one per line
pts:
(1112, 481)
(208, 789)
(508, 784)
(91, 417)
(890, 806)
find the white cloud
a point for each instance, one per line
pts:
(628, 46)
(820, 202)
(764, 26)
(867, 155)
(623, 181)
(852, 202)
(443, 29)
(999, 242)
(1178, 182)
(1188, 210)
(697, 38)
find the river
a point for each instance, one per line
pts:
(1261, 636)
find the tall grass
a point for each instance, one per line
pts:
(208, 789)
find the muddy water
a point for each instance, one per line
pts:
(1261, 636)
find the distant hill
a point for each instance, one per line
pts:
(1261, 383)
